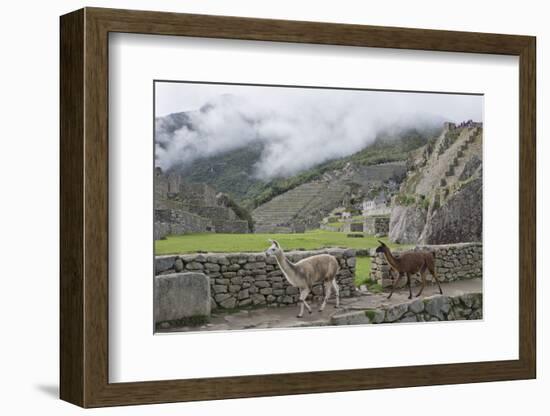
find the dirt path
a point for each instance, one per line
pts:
(285, 317)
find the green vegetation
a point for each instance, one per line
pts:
(370, 313)
(362, 270)
(425, 203)
(404, 199)
(384, 149)
(233, 172)
(211, 242)
(362, 275)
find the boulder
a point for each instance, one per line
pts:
(350, 318)
(459, 218)
(181, 295)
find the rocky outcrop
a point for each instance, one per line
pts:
(459, 219)
(406, 223)
(440, 202)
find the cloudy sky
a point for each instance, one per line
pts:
(300, 127)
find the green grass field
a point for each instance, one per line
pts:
(221, 243)
(211, 242)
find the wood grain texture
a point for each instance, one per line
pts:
(84, 205)
(71, 208)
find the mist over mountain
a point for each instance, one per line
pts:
(293, 132)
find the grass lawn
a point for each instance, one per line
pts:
(212, 242)
(362, 270)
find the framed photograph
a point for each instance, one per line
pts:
(255, 207)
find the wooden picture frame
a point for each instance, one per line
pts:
(84, 207)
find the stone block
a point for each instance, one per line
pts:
(181, 295)
(164, 263)
(350, 318)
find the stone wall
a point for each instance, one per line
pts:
(182, 207)
(328, 227)
(218, 212)
(452, 262)
(241, 280)
(197, 194)
(377, 225)
(177, 221)
(468, 306)
(353, 227)
(230, 226)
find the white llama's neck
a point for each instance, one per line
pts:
(286, 267)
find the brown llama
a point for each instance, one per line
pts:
(410, 262)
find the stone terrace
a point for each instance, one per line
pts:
(305, 204)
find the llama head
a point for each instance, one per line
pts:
(274, 249)
(381, 248)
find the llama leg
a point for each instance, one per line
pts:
(432, 271)
(423, 277)
(327, 286)
(409, 284)
(337, 292)
(390, 272)
(303, 296)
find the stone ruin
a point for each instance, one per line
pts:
(376, 225)
(182, 207)
(242, 280)
(459, 261)
(375, 206)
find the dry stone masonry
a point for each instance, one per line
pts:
(240, 280)
(182, 207)
(452, 262)
(377, 225)
(468, 306)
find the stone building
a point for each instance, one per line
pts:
(376, 206)
(182, 207)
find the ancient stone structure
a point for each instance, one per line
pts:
(353, 227)
(376, 225)
(376, 206)
(440, 201)
(181, 296)
(182, 207)
(468, 306)
(240, 280)
(307, 204)
(452, 262)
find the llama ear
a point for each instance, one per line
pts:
(276, 243)
(381, 243)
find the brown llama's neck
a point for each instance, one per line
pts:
(391, 259)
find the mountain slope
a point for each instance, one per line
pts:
(304, 206)
(234, 171)
(440, 201)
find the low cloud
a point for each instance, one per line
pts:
(299, 128)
